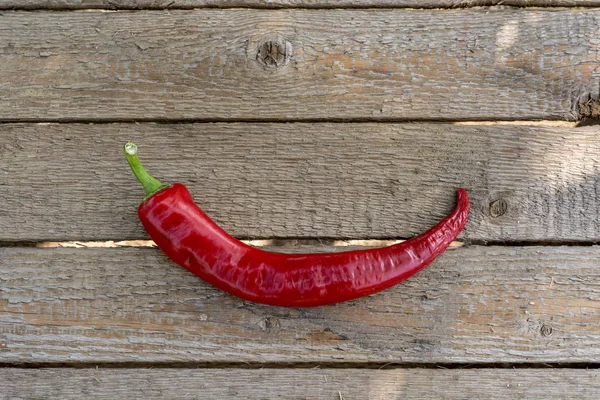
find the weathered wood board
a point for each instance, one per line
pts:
(244, 64)
(132, 305)
(300, 384)
(526, 183)
(174, 4)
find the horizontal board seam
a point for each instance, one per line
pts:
(321, 6)
(300, 365)
(519, 122)
(260, 242)
(163, 121)
(289, 242)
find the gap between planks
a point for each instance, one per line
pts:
(271, 242)
(299, 365)
(274, 244)
(110, 6)
(191, 121)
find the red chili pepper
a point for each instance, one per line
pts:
(191, 239)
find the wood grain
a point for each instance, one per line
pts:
(526, 183)
(299, 384)
(190, 4)
(339, 64)
(131, 305)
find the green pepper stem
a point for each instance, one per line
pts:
(151, 185)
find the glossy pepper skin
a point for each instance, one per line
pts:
(191, 239)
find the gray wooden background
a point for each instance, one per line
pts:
(303, 125)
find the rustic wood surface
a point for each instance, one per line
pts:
(132, 305)
(156, 331)
(300, 384)
(331, 64)
(526, 183)
(189, 4)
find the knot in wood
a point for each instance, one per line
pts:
(498, 208)
(546, 330)
(589, 107)
(274, 52)
(269, 323)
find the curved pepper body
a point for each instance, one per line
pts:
(191, 239)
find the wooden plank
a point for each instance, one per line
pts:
(330, 64)
(474, 304)
(190, 4)
(526, 183)
(300, 384)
